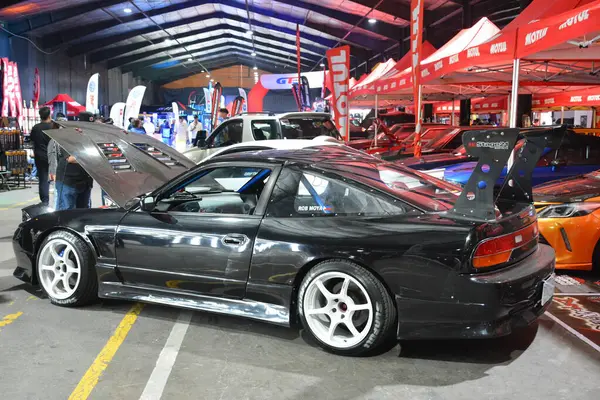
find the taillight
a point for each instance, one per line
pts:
(498, 250)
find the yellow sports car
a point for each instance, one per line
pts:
(569, 220)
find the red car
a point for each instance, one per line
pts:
(394, 137)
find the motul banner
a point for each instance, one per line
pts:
(117, 112)
(416, 39)
(558, 29)
(575, 98)
(133, 104)
(36, 85)
(91, 98)
(339, 66)
(489, 105)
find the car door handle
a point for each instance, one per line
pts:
(234, 240)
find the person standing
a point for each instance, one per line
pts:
(181, 140)
(40, 153)
(73, 187)
(194, 128)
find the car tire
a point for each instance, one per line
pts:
(66, 270)
(337, 295)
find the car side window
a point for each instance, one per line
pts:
(265, 130)
(572, 151)
(308, 194)
(223, 190)
(455, 142)
(229, 133)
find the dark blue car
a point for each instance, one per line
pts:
(579, 153)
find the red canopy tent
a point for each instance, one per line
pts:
(366, 84)
(73, 107)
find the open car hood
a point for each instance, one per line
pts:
(124, 164)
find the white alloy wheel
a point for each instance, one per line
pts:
(59, 269)
(338, 309)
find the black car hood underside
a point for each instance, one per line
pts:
(136, 165)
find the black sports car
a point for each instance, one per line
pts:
(355, 248)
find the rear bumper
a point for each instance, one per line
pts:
(482, 305)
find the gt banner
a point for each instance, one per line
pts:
(245, 97)
(416, 38)
(36, 85)
(133, 104)
(339, 65)
(91, 98)
(117, 112)
(548, 32)
(285, 81)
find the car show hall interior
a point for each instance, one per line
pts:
(299, 199)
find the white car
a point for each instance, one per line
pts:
(257, 127)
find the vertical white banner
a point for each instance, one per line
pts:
(117, 111)
(176, 115)
(133, 104)
(207, 100)
(91, 98)
(245, 96)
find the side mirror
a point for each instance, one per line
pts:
(147, 204)
(558, 163)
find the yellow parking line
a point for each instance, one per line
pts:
(19, 204)
(91, 377)
(9, 319)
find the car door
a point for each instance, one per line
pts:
(198, 234)
(226, 134)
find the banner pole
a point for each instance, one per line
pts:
(376, 116)
(514, 93)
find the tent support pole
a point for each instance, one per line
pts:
(376, 114)
(562, 115)
(452, 117)
(514, 93)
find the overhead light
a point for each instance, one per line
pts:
(212, 80)
(255, 68)
(191, 59)
(127, 10)
(321, 65)
(253, 54)
(168, 41)
(207, 75)
(372, 20)
(249, 32)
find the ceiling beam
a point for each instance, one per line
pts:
(77, 33)
(116, 52)
(208, 50)
(32, 24)
(177, 50)
(397, 9)
(84, 47)
(382, 28)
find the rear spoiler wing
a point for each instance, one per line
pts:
(494, 148)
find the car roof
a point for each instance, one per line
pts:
(310, 155)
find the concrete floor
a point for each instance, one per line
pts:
(46, 350)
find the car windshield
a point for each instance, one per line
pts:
(427, 136)
(439, 137)
(421, 190)
(308, 128)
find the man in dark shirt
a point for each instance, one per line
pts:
(40, 150)
(73, 184)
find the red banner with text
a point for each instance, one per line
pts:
(339, 67)
(416, 40)
(36, 86)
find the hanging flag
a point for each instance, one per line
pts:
(207, 100)
(11, 89)
(339, 67)
(91, 99)
(117, 112)
(17, 91)
(133, 104)
(36, 85)
(245, 97)
(5, 95)
(416, 39)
